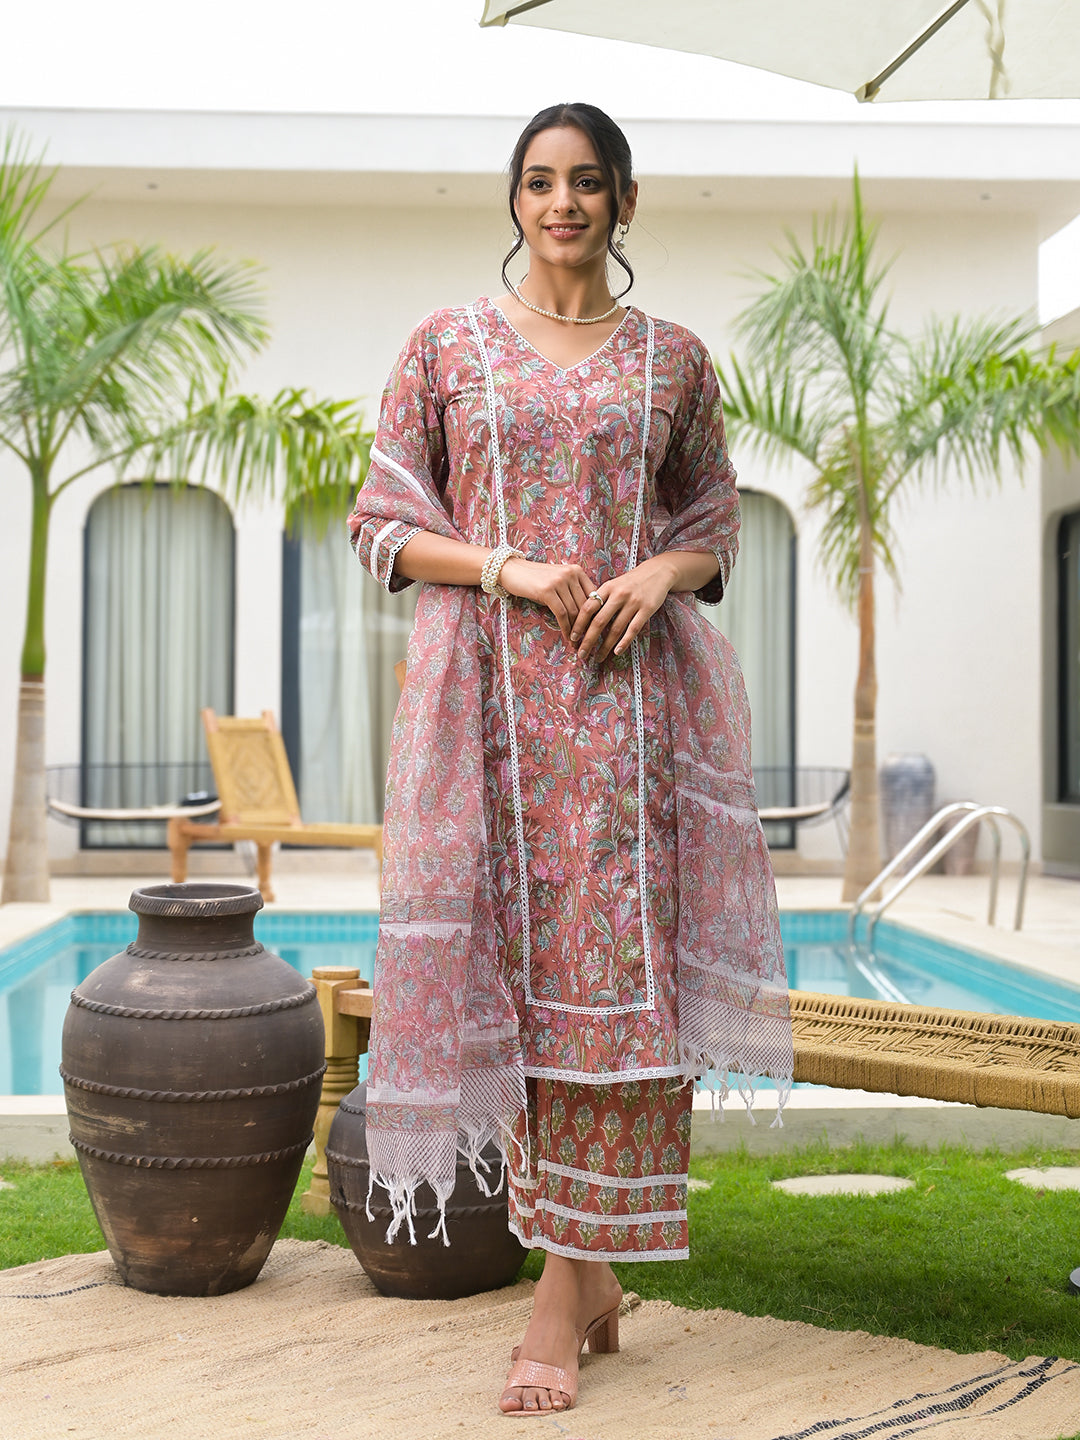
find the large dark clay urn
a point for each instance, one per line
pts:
(482, 1254)
(192, 1064)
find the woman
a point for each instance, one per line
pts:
(578, 912)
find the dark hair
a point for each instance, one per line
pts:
(612, 152)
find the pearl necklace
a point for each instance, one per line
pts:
(571, 319)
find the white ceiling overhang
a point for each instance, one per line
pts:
(459, 161)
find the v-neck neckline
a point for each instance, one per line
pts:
(560, 369)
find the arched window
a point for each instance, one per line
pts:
(1069, 659)
(757, 614)
(342, 636)
(157, 647)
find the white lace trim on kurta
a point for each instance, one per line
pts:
(506, 658)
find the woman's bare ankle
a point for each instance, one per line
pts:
(598, 1292)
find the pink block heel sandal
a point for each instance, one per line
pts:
(602, 1338)
(530, 1374)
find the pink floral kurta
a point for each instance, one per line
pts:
(631, 770)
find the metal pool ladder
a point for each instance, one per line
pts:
(972, 814)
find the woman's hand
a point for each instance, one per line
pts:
(626, 604)
(623, 608)
(562, 588)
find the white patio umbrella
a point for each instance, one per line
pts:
(876, 49)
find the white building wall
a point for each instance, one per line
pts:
(958, 651)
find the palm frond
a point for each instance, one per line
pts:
(24, 188)
(842, 494)
(107, 352)
(825, 376)
(155, 321)
(821, 313)
(311, 453)
(770, 410)
(973, 395)
(24, 185)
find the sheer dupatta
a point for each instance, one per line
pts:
(445, 1068)
(734, 1016)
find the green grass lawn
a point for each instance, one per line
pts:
(966, 1259)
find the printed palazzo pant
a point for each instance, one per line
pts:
(607, 1170)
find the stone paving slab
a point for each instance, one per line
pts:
(843, 1184)
(1054, 1177)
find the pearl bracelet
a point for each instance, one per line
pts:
(489, 575)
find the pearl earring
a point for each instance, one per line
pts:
(624, 230)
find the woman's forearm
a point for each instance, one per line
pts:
(685, 569)
(453, 562)
(441, 560)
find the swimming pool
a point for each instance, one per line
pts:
(38, 974)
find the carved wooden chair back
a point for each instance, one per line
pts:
(251, 768)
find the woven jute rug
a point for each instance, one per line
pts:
(312, 1350)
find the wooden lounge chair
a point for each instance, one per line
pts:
(258, 799)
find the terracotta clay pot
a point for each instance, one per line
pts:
(192, 1064)
(482, 1254)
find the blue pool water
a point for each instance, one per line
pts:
(38, 974)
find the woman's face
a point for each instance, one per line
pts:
(563, 202)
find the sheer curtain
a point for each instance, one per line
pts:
(757, 615)
(351, 634)
(158, 647)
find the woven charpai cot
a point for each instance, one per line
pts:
(940, 1054)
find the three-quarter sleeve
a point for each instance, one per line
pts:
(409, 449)
(695, 484)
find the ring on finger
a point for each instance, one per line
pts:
(595, 595)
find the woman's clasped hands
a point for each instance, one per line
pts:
(596, 621)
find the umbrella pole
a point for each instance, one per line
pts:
(871, 88)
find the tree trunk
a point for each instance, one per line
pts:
(26, 868)
(864, 849)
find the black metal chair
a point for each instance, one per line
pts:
(794, 795)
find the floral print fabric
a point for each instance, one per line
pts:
(607, 1171)
(619, 986)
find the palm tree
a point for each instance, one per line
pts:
(126, 358)
(824, 376)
